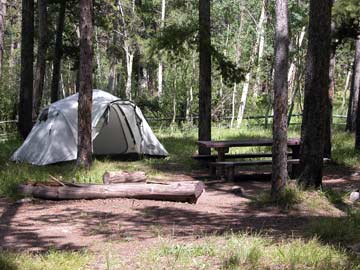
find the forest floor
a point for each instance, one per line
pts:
(233, 225)
(125, 228)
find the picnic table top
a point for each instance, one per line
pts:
(245, 142)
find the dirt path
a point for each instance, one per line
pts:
(40, 225)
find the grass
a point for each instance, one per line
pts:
(247, 251)
(344, 230)
(57, 260)
(289, 198)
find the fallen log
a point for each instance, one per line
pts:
(175, 191)
(123, 177)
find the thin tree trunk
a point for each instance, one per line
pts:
(261, 42)
(98, 58)
(111, 80)
(242, 104)
(85, 93)
(204, 75)
(293, 96)
(356, 86)
(354, 90)
(329, 108)
(233, 105)
(316, 91)
(129, 67)
(41, 57)
(58, 52)
(279, 148)
(160, 68)
(27, 69)
(2, 31)
(346, 87)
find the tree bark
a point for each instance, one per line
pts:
(261, 42)
(2, 31)
(346, 86)
(354, 90)
(129, 67)
(85, 91)
(41, 57)
(123, 177)
(204, 128)
(279, 148)
(58, 52)
(172, 191)
(243, 99)
(27, 69)
(160, 68)
(316, 91)
(329, 108)
(356, 86)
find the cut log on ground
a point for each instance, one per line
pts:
(123, 177)
(173, 191)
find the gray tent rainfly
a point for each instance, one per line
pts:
(118, 127)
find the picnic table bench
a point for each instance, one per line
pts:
(227, 168)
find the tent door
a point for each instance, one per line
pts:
(112, 137)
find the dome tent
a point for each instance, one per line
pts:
(118, 127)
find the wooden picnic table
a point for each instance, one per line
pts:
(222, 147)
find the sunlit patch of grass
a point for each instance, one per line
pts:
(59, 260)
(247, 251)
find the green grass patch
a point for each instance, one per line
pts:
(343, 149)
(57, 260)
(344, 230)
(248, 251)
(291, 196)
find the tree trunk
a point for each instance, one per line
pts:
(112, 77)
(242, 104)
(172, 191)
(204, 128)
(233, 106)
(346, 86)
(279, 148)
(354, 90)
(41, 57)
(356, 86)
(58, 53)
(85, 91)
(98, 59)
(129, 67)
(27, 69)
(261, 42)
(316, 91)
(2, 31)
(160, 68)
(329, 107)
